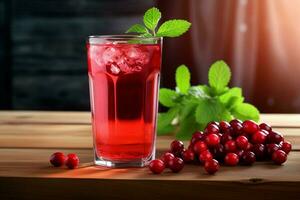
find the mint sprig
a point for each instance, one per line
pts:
(170, 28)
(192, 107)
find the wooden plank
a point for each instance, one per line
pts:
(79, 136)
(276, 120)
(33, 163)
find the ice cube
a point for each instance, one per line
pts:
(110, 55)
(114, 69)
(96, 54)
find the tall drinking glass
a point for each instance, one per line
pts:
(124, 80)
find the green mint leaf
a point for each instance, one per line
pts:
(165, 119)
(219, 76)
(182, 78)
(232, 97)
(164, 130)
(246, 111)
(167, 97)
(187, 127)
(205, 89)
(137, 28)
(188, 108)
(211, 110)
(197, 92)
(151, 18)
(173, 28)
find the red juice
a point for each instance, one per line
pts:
(124, 81)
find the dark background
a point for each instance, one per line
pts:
(43, 57)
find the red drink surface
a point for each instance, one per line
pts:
(124, 81)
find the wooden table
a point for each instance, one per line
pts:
(27, 139)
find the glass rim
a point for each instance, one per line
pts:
(96, 39)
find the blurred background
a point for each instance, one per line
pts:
(43, 57)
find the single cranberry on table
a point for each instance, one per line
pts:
(250, 127)
(242, 142)
(265, 126)
(274, 137)
(225, 137)
(72, 161)
(259, 137)
(271, 148)
(212, 128)
(286, 147)
(58, 159)
(279, 157)
(211, 166)
(176, 165)
(167, 157)
(259, 150)
(212, 140)
(230, 146)
(177, 147)
(197, 136)
(231, 159)
(188, 156)
(248, 158)
(205, 156)
(224, 126)
(199, 147)
(156, 166)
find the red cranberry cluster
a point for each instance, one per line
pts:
(59, 159)
(229, 143)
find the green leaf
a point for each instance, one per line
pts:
(167, 97)
(151, 18)
(173, 28)
(188, 108)
(211, 110)
(197, 92)
(246, 111)
(187, 127)
(205, 89)
(232, 97)
(183, 77)
(165, 119)
(219, 76)
(137, 28)
(165, 129)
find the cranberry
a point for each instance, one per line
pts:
(199, 147)
(237, 128)
(259, 150)
(191, 147)
(259, 137)
(167, 157)
(72, 161)
(279, 157)
(224, 126)
(58, 159)
(264, 126)
(212, 140)
(218, 152)
(225, 137)
(250, 127)
(176, 165)
(230, 146)
(188, 156)
(234, 121)
(177, 147)
(249, 147)
(197, 136)
(248, 158)
(242, 142)
(157, 166)
(286, 147)
(212, 128)
(211, 166)
(213, 122)
(231, 159)
(271, 148)
(239, 153)
(204, 156)
(274, 137)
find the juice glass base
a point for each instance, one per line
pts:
(122, 164)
